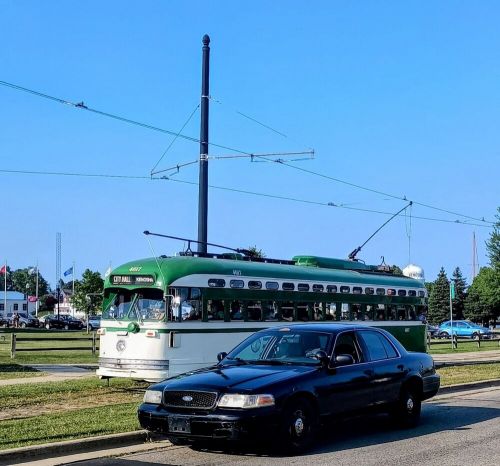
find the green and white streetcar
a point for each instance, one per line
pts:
(168, 315)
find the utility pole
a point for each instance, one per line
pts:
(203, 181)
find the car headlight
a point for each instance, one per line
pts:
(153, 397)
(236, 400)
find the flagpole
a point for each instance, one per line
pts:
(5, 289)
(73, 293)
(36, 292)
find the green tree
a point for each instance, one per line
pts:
(429, 286)
(254, 252)
(396, 270)
(47, 303)
(439, 300)
(493, 244)
(483, 300)
(88, 292)
(460, 293)
(24, 281)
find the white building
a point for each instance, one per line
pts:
(16, 302)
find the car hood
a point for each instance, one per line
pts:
(246, 378)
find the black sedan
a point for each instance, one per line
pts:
(63, 321)
(282, 383)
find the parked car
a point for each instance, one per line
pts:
(64, 321)
(282, 383)
(432, 330)
(463, 329)
(25, 320)
(94, 322)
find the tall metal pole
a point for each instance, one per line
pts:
(203, 182)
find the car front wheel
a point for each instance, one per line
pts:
(66, 327)
(444, 335)
(47, 326)
(298, 427)
(408, 407)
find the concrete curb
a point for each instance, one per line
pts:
(48, 450)
(468, 386)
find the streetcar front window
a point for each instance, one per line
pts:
(144, 304)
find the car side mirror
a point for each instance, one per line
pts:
(221, 356)
(344, 360)
(322, 357)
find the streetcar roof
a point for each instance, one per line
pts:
(173, 268)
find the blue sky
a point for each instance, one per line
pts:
(400, 97)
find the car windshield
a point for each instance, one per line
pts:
(281, 347)
(144, 304)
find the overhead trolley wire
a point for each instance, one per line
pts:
(235, 190)
(81, 105)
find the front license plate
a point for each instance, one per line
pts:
(179, 424)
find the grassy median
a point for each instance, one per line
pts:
(470, 373)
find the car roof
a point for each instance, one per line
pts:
(330, 327)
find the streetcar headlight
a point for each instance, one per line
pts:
(153, 397)
(236, 400)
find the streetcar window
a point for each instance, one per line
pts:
(216, 309)
(254, 285)
(401, 292)
(345, 289)
(195, 293)
(331, 288)
(303, 287)
(391, 292)
(318, 288)
(269, 310)
(254, 310)
(412, 293)
(237, 284)
(369, 291)
(421, 294)
(216, 283)
(357, 290)
(235, 311)
(272, 285)
(381, 291)
(287, 286)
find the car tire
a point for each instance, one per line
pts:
(298, 426)
(444, 335)
(47, 326)
(407, 410)
(475, 336)
(66, 327)
(23, 325)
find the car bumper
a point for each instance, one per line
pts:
(431, 385)
(241, 425)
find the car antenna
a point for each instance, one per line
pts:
(353, 254)
(188, 250)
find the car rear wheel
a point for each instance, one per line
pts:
(23, 325)
(475, 336)
(444, 335)
(66, 327)
(47, 326)
(408, 408)
(298, 427)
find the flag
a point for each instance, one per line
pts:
(108, 272)
(68, 272)
(3, 269)
(32, 299)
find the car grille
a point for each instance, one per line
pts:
(189, 399)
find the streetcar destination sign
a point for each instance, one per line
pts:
(132, 279)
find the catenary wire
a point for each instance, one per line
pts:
(175, 139)
(81, 105)
(241, 191)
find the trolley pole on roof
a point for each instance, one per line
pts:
(203, 181)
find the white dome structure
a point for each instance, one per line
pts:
(414, 271)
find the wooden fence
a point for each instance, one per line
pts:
(454, 341)
(15, 339)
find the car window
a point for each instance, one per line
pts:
(346, 344)
(375, 345)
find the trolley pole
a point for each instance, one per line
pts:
(203, 180)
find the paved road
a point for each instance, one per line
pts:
(455, 430)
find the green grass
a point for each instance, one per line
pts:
(69, 425)
(464, 346)
(471, 373)
(47, 339)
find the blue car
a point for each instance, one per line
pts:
(463, 329)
